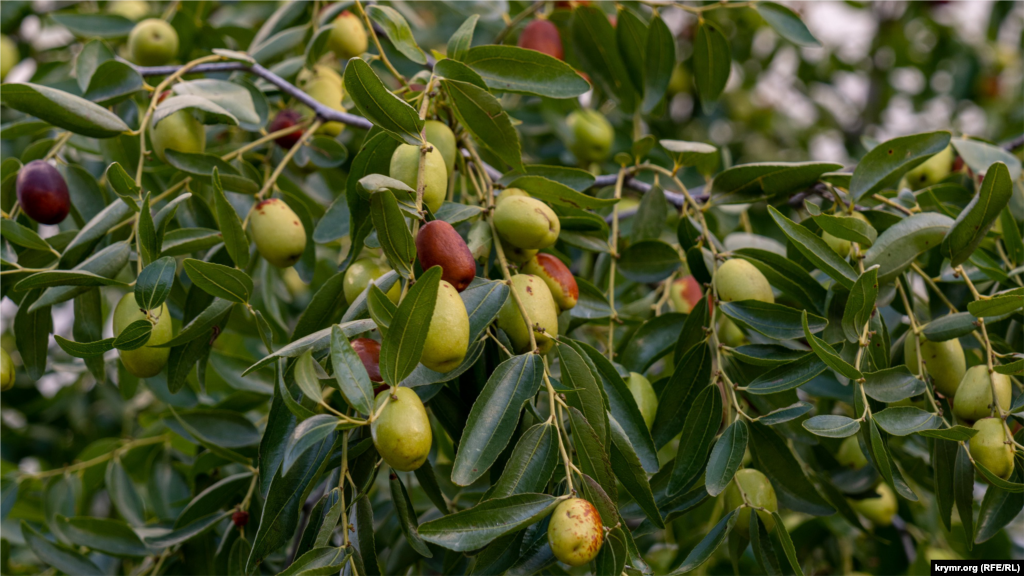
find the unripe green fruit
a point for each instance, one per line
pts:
(557, 276)
(180, 131)
(989, 448)
(646, 399)
(359, 275)
(348, 37)
(8, 55)
(591, 134)
(933, 170)
(526, 222)
(324, 85)
(279, 234)
(943, 361)
(541, 309)
(759, 492)
(679, 81)
(511, 193)
(6, 371)
(147, 361)
(738, 280)
(153, 42)
(401, 433)
(575, 532)
(880, 509)
(442, 139)
(973, 399)
(730, 334)
(405, 166)
(850, 454)
(130, 9)
(448, 335)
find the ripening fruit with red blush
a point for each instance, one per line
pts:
(369, 352)
(557, 276)
(438, 244)
(43, 193)
(542, 36)
(286, 119)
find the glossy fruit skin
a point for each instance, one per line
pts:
(759, 491)
(591, 135)
(9, 56)
(575, 532)
(180, 131)
(448, 336)
(324, 85)
(541, 309)
(685, 293)
(441, 137)
(557, 276)
(542, 36)
(989, 448)
(369, 352)
(6, 371)
(43, 193)
(932, 170)
(850, 454)
(279, 234)
(149, 360)
(438, 244)
(646, 398)
(153, 42)
(286, 119)
(973, 399)
(738, 280)
(526, 223)
(405, 166)
(880, 509)
(359, 275)
(943, 361)
(401, 433)
(348, 38)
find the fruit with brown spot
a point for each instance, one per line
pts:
(369, 353)
(541, 309)
(401, 433)
(526, 222)
(542, 36)
(575, 532)
(43, 193)
(279, 234)
(439, 244)
(557, 276)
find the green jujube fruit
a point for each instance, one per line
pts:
(737, 280)
(973, 399)
(180, 131)
(153, 42)
(279, 234)
(944, 362)
(879, 509)
(526, 222)
(359, 275)
(989, 447)
(759, 492)
(401, 433)
(6, 371)
(850, 454)
(405, 166)
(840, 245)
(442, 139)
(448, 335)
(575, 532)
(147, 361)
(932, 170)
(540, 307)
(8, 55)
(348, 37)
(591, 135)
(324, 85)
(646, 398)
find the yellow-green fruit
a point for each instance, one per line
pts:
(850, 454)
(401, 433)
(973, 399)
(989, 448)
(541, 309)
(679, 81)
(730, 334)
(180, 131)
(443, 139)
(149, 360)
(279, 234)
(8, 55)
(358, 277)
(448, 335)
(738, 279)
(526, 222)
(153, 42)
(839, 245)
(130, 9)
(591, 135)
(643, 393)
(759, 492)
(325, 86)
(939, 554)
(6, 370)
(879, 509)
(511, 193)
(943, 361)
(933, 170)
(348, 37)
(575, 532)
(405, 166)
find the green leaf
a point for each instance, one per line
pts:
(692, 375)
(775, 458)
(999, 305)
(630, 472)
(531, 464)
(317, 46)
(974, 221)
(787, 23)
(59, 556)
(235, 240)
(134, 336)
(494, 416)
(397, 31)
(95, 229)
(106, 263)
(712, 62)
(886, 163)
(649, 220)
(950, 326)
(980, 156)
(219, 280)
(233, 97)
(201, 324)
(94, 25)
(63, 110)
(847, 228)
(557, 193)
(182, 241)
(113, 537)
(707, 546)
(963, 492)
(112, 82)
(186, 533)
(906, 420)
(362, 517)
(649, 261)
(726, 457)
(699, 430)
(1015, 367)
(306, 377)
(596, 46)
(1012, 236)
(584, 394)
(893, 384)
(317, 341)
(955, 433)
(998, 508)
(787, 376)
(689, 153)
(773, 320)
(207, 111)
(515, 69)
(407, 516)
(350, 374)
(307, 434)
(761, 544)
(202, 168)
(223, 428)
(22, 236)
(593, 455)
(482, 115)
(752, 182)
(64, 278)
(659, 60)
(154, 284)
(84, 349)
(631, 40)
(478, 526)
(828, 354)
(319, 561)
(401, 349)
(787, 544)
(392, 231)
(766, 354)
(460, 42)
(816, 250)
(860, 304)
(380, 106)
(653, 340)
(831, 426)
(215, 497)
(123, 494)
(787, 276)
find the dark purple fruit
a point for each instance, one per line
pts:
(286, 119)
(43, 193)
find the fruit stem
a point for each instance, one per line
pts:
(614, 317)
(892, 204)
(376, 42)
(97, 460)
(269, 184)
(57, 145)
(917, 345)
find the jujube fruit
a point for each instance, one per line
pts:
(973, 399)
(839, 245)
(878, 509)
(153, 42)
(405, 166)
(179, 131)
(526, 222)
(575, 532)
(448, 335)
(591, 135)
(730, 334)
(646, 398)
(130, 9)
(286, 119)
(359, 275)
(8, 55)
(542, 36)
(441, 137)
(684, 293)
(438, 244)
(989, 447)
(348, 38)
(43, 193)
(850, 454)
(6, 371)
(932, 170)
(325, 86)
(540, 307)
(759, 492)
(147, 361)
(557, 276)
(369, 353)
(943, 361)
(401, 433)
(279, 234)
(737, 279)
